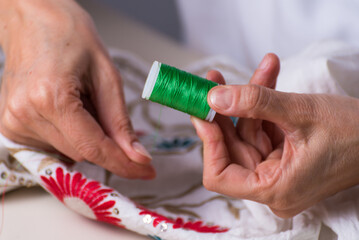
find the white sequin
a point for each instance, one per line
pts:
(147, 219)
(163, 227)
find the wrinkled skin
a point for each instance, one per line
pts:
(288, 151)
(60, 90)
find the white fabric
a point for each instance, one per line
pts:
(177, 171)
(324, 67)
(247, 30)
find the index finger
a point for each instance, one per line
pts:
(112, 113)
(220, 174)
(86, 136)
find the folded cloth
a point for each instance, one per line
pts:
(175, 205)
(324, 67)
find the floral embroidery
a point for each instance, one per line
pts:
(176, 144)
(170, 145)
(197, 226)
(83, 196)
(154, 237)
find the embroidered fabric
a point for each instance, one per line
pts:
(175, 205)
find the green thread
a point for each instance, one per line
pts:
(182, 91)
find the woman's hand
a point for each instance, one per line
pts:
(288, 151)
(60, 89)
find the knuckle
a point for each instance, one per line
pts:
(254, 97)
(91, 153)
(41, 97)
(69, 107)
(123, 125)
(47, 96)
(68, 103)
(208, 183)
(306, 108)
(16, 110)
(8, 123)
(282, 203)
(250, 96)
(15, 107)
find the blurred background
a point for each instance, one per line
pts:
(160, 15)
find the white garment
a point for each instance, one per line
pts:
(247, 30)
(176, 190)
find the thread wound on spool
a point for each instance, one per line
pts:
(180, 90)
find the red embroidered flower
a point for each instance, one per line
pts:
(197, 226)
(83, 196)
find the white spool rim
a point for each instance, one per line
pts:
(151, 80)
(210, 116)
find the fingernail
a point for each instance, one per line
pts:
(221, 97)
(141, 149)
(264, 63)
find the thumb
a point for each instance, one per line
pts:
(257, 102)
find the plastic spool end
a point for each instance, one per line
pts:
(151, 80)
(210, 116)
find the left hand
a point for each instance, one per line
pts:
(61, 91)
(288, 151)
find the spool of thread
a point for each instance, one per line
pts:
(180, 90)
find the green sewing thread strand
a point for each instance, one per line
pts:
(180, 90)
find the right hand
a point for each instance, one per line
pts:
(60, 89)
(288, 151)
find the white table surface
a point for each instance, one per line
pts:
(33, 213)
